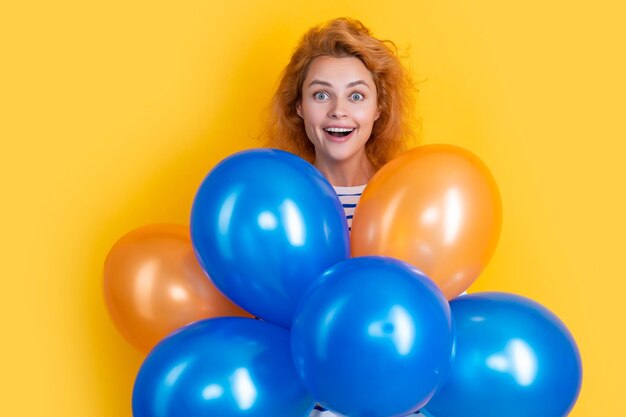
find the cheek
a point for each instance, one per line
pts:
(367, 116)
(311, 115)
(309, 125)
(309, 122)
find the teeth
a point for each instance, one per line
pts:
(339, 129)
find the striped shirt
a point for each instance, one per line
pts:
(349, 197)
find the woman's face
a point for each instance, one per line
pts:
(339, 107)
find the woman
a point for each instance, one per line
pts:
(344, 103)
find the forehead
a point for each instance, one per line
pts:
(338, 71)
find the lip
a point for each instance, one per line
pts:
(339, 126)
(336, 139)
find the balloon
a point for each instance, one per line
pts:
(265, 223)
(153, 285)
(514, 358)
(372, 338)
(436, 207)
(226, 367)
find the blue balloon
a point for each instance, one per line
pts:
(373, 338)
(264, 224)
(227, 367)
(513, 358)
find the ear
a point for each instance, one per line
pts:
(377, 114)
(299, 109)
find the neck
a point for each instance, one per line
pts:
(348, 173)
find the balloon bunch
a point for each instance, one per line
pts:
(360, 324)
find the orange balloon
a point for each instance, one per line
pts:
(153, 285)
(436, 207)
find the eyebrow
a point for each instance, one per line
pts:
(350, 85)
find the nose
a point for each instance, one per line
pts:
(337, 110)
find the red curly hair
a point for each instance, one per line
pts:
(340, 38)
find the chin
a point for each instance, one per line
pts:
(342, 156)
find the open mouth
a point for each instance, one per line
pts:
(339, 132)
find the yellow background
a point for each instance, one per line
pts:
(112, 112)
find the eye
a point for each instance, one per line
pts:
(321, 95)
(357, 97)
